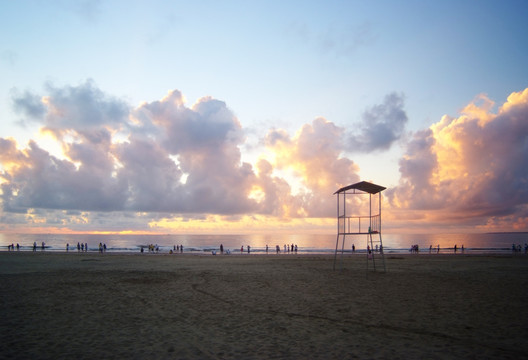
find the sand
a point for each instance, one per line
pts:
(85, 306)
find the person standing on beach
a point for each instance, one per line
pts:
(249, 249)
(221, 248)
(455, 248)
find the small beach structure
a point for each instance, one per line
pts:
(359, 213)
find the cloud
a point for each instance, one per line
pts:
(209, 124)
(153, 179)
(381, 126)
(164, 162)
(83, 108)
(314, 156)
(187, 161)
(28, 104)
(472, 168)
(166, 157)
(35, 179)
(205, 140)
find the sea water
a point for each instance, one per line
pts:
(306, 243)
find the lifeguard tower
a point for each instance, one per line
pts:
(357, 215)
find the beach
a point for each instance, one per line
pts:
(160, 306)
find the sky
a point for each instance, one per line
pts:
(246, 116)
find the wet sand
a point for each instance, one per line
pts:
(64, 306)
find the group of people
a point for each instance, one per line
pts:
(176, 249)
(151, 248)
(12, 247)
(35, 245)
(461, 248)
(293, 248)
(287, 249)
(102, 248)
(84, 247)
(369, 250)
(154, 248)
(415, 249)
(43, 246)
(227, 251)
(431, 249)
(518, 248)
(80, 247)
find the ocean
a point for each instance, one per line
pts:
(306, 243)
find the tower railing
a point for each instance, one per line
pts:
(359, 224)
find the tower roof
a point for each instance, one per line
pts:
(363, 186)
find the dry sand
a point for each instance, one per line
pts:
(73, 306)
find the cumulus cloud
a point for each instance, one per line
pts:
(172, 159)
(166, 160)
(472, 167)
(35, 179)
(205, 140)
(28, 104)
(165, 157)
(314, 156)
(81, 108)
(381, 126)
